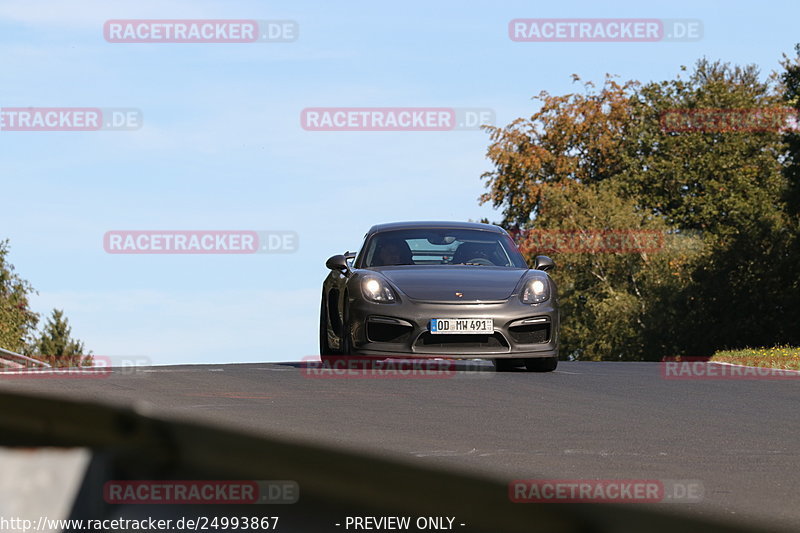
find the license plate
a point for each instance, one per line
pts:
(462, 325)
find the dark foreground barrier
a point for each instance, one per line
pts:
(197, 477)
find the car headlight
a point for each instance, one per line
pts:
(535, 291)
(377, 290)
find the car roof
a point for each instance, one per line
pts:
(390, 226)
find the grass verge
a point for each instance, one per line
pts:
(784, 357)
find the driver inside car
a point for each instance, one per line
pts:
(469, 252)
(393, 252)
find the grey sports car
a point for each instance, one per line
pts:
(454, 290)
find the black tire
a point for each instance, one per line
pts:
(506, 365)
(324, 347)
(339, 358)
(330, 358)
(541, 364)
(346, 342)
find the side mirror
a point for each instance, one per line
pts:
(337, 262)
(544, 263)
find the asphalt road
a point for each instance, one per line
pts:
(739, 438)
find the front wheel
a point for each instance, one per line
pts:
(324, 347)
(541, 364)
(346, 340)
(341, 357)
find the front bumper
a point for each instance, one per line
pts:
(402, 329)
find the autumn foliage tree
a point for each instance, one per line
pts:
(602, 160)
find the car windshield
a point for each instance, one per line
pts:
(441, 247)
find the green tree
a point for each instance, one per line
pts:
(714, 181)
(790, 264)
(603, 160)
(614, 303)
(17, 321)
(730, 186)
(790, 80)
(559, 171)
(56, 346)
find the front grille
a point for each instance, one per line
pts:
(381, 332)
(469, 343)
(530, 333)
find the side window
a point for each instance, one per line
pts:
(361, 252)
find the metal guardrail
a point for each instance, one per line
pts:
(20, 360)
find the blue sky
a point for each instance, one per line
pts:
(222, 147)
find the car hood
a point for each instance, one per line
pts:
(441, 283)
